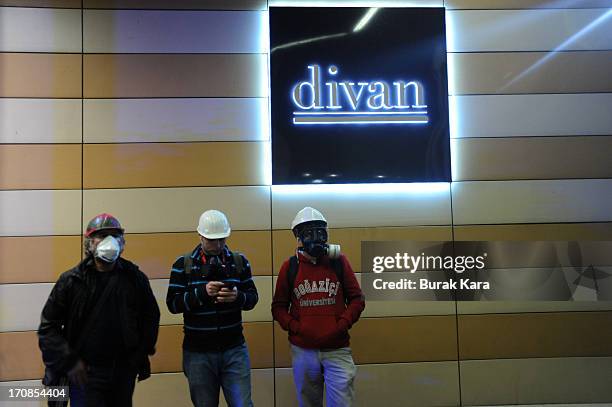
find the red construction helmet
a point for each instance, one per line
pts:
(101, 222)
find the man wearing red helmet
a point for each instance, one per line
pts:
(100, 322)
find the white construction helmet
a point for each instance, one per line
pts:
(307, 214)
(213, 224)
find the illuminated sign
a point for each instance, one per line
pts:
(358, 95)
(362, 102)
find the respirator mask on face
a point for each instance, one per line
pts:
(314, 243)
(109, 249)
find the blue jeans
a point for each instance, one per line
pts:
(229, 369)
(313, 367)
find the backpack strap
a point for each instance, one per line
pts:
(237, 257)
(187, 263)
(339, 270)
(292, 273)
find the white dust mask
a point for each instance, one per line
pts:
(108, 250)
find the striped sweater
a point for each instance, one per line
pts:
(209, 326)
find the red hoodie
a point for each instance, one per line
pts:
(318, 317)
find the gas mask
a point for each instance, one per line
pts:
(314, 243)
(109, 249)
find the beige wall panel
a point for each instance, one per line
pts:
(582, 114)
(501, 307)
(172, 389)
(391, 385)
(178, 209)
(160, 288)
(261, 312)
(562, 231)
(379, 205)
(259, 340)
(256, 246)
(156, 252)
(537, 381)
(535, 335)
(489, 202)
(396, 341)
(40, 30)
(30, 213)
(54, 255)
(56, 121)
(21, 305)
(40, 166)
(350, 240)
(527, 30)
(184, 119)
(519, 4)
(40, 75)
(172, 4)
(407, 384)
(188, 75)
(137, 31)
(169, 354)
(282, 347)
(173, 164)
(412, 339)
(20, 358)
(531, 158)
(529, 72)
(380, 309)
(168, 357)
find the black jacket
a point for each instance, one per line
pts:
(67, 309)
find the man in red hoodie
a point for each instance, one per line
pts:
(317, 299)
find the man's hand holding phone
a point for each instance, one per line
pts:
(224, 292)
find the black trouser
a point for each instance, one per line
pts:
(111, 386)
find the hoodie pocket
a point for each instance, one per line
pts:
(317, 328)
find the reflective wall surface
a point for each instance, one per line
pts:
(156, 110)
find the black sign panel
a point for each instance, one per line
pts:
(358, 95)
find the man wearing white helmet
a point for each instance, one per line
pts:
(317, 299)
(211, 286)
